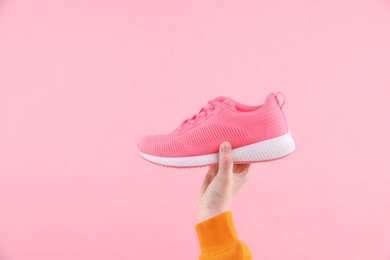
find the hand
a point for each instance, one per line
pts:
(221, 184)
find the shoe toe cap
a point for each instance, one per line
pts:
(148, 144)
(161, 145)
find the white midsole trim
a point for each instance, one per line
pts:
(262, 151)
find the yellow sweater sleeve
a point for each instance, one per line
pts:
(218, 239)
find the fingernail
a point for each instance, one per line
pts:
(226, 146)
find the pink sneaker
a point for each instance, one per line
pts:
(256, 133)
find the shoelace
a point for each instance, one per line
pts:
(210, 106)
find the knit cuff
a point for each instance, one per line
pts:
(216, 233)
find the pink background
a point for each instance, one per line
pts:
(82, 81)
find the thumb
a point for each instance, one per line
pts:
(225, 168)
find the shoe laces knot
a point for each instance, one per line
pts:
(210, 106)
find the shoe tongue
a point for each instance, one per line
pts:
(226, 101)
(230, 103)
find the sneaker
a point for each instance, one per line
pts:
(256, 133)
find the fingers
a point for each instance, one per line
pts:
(241, 172)
(240, 177)
(225, 160)
(239, 169)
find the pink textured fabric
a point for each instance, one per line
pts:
(221, 119)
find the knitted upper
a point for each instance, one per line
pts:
(223, 120)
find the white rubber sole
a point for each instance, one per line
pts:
(267, 150)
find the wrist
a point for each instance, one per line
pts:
(209, 213)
